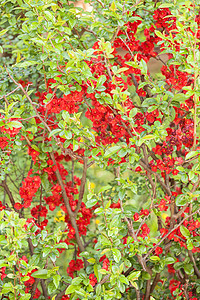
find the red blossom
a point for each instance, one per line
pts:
(93, 279)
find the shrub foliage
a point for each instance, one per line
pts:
(77, 99)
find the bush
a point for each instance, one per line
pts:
(99, 156)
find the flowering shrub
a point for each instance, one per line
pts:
(70, 102)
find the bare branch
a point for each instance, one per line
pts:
(82, 187)
(165, 236)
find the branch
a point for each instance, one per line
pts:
(10, 93)
(60, 294)
(115, 35)
(34, 286)
(10, 196)
(44, 289)
(165, 188)
(82, 187)
(148, 289)
(102, 281)
(140, 258)
(99, 1)
(196, 270)
(165, 236)
(31, 248)
(156, 279)
(66, 201)
(195, 186)
(153, 184)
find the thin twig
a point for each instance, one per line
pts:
(165, 236)
(10, 93)
(82, 187)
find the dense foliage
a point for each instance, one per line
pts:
(77, 97)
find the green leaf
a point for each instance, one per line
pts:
(7, 287)
(164, 5)
(133, 112)
(100, 81)
(71, 289)
(122, 194)
(123, 279)
(191, 154)
(26, 64)
(14, 124)
(145, 138)
(98, 289)
(76, 281)
(49, 15)
(116, 255)
(143, 66)
(40, 274)
(181, 200)
(90, 203)
(61, 246)
(91, 260)
(54, 132)
(56, 280)
(160, 35)
(3, 263)
(2, 238)
(68, 134)
(189, 244)
(97, 273)
(105, 188)
(146, 275)
(2, 32)
(188, 268)
(66, 116)
(180, 97)
(112, 150)
(184, 231)
(108, 204)
(122, 152)
(170, 260)
(51, 288)
(155, 258)
(134, 275)
(81, 292)
(75, 145)
(134, 284)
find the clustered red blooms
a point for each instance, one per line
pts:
(2, 273)
(7, 135)
(69, 102)
(74, 266)
(3, 142)
(28, 190)
(93, 279)
(175, 285)
(110, 127)
(176, 236)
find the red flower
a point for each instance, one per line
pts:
(144, 212)
(136, 216)
(93, 279)
(158, 250)
(138, 169)
(2, 273)
(18, 206)
(162, 206)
